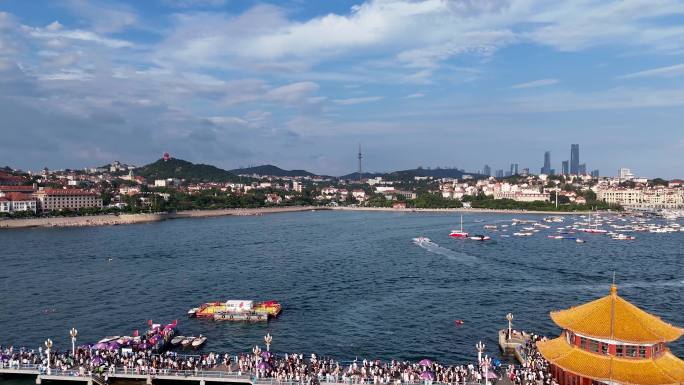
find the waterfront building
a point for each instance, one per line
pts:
(574, 159)
(565, 167)
(72, 199)
(609, 341)
(14, 202)
(658, 197)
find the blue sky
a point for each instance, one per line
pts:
(300, 83)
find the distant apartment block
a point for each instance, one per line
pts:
(72, 199)
(643, 198)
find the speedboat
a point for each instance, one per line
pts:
(187, 341)
(175, 341)
(198, 341)
(421, 240)
(479, 237)
(623, 237)
(523, 234)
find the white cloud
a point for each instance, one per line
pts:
(292, 92)
(103, 17)
(351, 101)
(670, 71)
(51, 33)
(536, 83)
(415, 95)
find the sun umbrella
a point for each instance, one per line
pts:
(264, 365)
(114, 346)
(427, 375)
(425, 362)
(101, 346)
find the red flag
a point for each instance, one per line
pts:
(149, 322)
(135, 333)
(175, 322)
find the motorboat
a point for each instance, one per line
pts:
(187, 341)
(270, 309)
(479, 237)
(623, 237)
(523, 234)
(198, 341)
(175, 341)
(421, 240)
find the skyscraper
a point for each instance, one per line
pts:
(514, 169)
(574, 159)
(487, 170)
(582, 169)
(499, 173)
(595, 174)
(547, 163)
(565, 167)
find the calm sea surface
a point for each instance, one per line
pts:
(352, 284)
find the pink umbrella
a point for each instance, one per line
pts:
(427, 375)
(101, 346)
(425, 362)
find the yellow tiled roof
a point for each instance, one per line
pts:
(611, 317)
(663, 370)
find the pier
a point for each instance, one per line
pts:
(201, 377)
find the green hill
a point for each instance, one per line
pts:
(182, 169)
(270, 170)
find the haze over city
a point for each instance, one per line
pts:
(300, 83)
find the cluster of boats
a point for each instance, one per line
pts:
(188, 342)
(157, 338)
(237, 310)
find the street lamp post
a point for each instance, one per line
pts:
(48, 346)
(268, 339)
(509, 318)
(480, 349)
(257, 352)
(486, 362)
(73, 333)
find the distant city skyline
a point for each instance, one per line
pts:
(300, 83)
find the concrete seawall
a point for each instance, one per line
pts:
(127, 219)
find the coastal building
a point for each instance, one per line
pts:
(72, 199)
(610, 341)
(18, 189)
(658, 197)
(14, 202)
(273, 199)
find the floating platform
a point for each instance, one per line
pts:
(515, 344)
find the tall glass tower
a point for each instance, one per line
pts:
(574, 159)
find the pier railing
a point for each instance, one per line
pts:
(120, 372)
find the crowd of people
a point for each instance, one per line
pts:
(288, 368)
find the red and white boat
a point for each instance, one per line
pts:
(459, 233)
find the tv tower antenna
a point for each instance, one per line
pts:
(360, 157)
